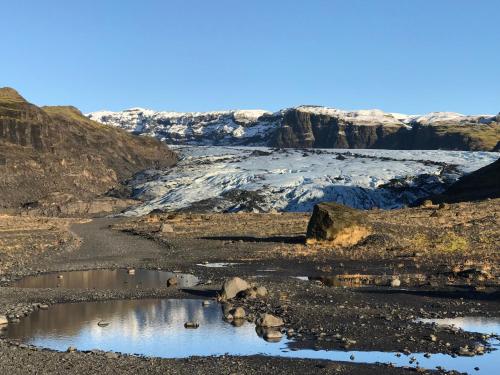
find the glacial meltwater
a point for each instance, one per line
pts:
(106, 279)
(155, 327)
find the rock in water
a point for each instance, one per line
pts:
(268, 320)
(239, 313)
(232, 287)
(338, 224)
(272, 335)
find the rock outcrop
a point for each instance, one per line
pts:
(481, 184)
(58, 150)
(336, 224)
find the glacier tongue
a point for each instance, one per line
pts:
(260, 178)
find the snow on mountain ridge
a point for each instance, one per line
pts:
(255, 127)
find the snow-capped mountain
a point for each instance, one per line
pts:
(219, 178)
(311, 126)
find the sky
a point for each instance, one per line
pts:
(408, 56)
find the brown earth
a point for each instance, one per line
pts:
(57, 150)
(446, 259)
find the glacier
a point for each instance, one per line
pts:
(263, 179)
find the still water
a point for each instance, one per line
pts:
(106, 279)
(156, 328)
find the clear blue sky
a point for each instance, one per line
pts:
(409, 56)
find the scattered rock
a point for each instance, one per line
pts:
(268, 320)
(111, 355)
(172, 281)
(396, 282)
(427, 203)
(166, 228)
(464, 351)
(338, 224)
(272, 335)
(238, 313)
(232, 287)
(261, 291)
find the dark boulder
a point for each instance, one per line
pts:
(338, 224)
(481, 184)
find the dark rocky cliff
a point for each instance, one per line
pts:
(481, 184)
(53, 150)
(305, 129)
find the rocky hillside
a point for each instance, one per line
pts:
(310, 126)
(56, 150)
(481, 184)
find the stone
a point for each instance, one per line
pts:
(239, 313)
(427, 203)
(268, 320)
(395, 283)
(71, 349)
(261, 291)
(3, 320)
(272, 335)
(336, 224)
(205, 303)
(131, 271)
(433, 338)
(172, 281)
(111, 355)
(166, 228)
(232, 287)
(43, 306)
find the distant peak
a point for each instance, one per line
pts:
(8, 93)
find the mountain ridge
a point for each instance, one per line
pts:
(312, 127)
(46, 151)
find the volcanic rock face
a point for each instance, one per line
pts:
(311, 126)
(339, 225)
(481, 184)
(58, 150)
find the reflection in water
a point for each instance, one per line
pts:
(216, 265)
(152, 327)
(477, 324)
(106, 279)
(156, 328)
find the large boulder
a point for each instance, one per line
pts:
(338, 224)
(232, 287)
(269, 321)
